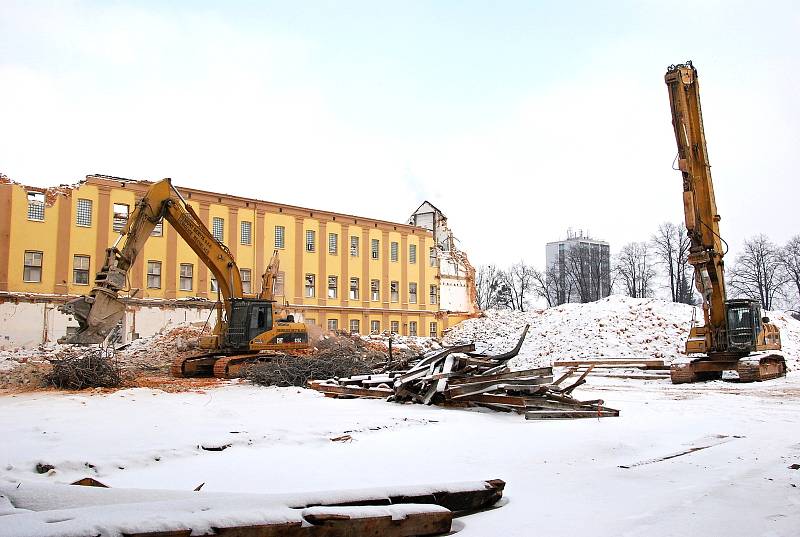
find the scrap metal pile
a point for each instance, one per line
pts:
(459, 377)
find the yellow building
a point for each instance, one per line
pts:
(337, 271)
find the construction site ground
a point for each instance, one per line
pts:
(713, 458)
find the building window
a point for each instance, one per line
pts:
(376, 248)
(218, 228)
(80, 269)
(120, 217)
(279, 284)
(353, 288)
(333, 286)
(394, 327)
(412, 328)
(394, 248)
(434, 332)
(214, 286)
(280, 233)
(310, 240)
(32, 271)
(333, 243)
(374, 327)
(412, 293)
(154, 274)
(247, 233)
(187, 275)
(394, 291)
(310, 285)
(355, 326)
(433, 295)
(375, 290)
(310, 321)
(353, 246)
(432, 256)
(246, 280)
(158, 230)
(412, 253)
(333, 325)
(36, 206)
(83, 213)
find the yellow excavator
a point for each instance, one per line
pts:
(733, 329)
(247, 327)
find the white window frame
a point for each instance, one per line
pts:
(247, 280)
(375, 248)
(412, 253)
(83, 270)
(311, 240)
(374, 327)
(354, 246)
(310, 285)
(152, 265)
(119, 216)
(218, 228)
(412, 328)
(333, 325)
(333, 243)
(434, 329)
(412, 292)
(394, 327)
(355, 284)
(185, 276)
(29, 265)
(36, 206)
(394, 291)
(433, 295)
(394, 252)
(375, 290)
(355, 326)
(333, 286)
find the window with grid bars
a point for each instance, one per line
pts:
(394, 327)
(376, 248)
(80, 269)
(32, 268)
(434, 294)
(353, 288)
(394, 291)
(120, 217)
(394, 248)
(280, 233)
(83, 213)
(333, 286)
(218, 228)
(375, 326)
(36, 206)
(279, 283)
(353, 246)
(246, 232)
(412, 253)
(310, 285)
(434, 332)
(432, 256)
(355, 326)
(412, 293)
(310, 240)
(246, 281)
(333, 243)
(375, 289)
(412, 328)
(333, 324)
(186, 277)
(154, 274)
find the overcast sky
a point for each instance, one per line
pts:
(517, 119)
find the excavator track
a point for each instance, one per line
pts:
(764, 367)
(230, 367)
(194, 366)
(755, 368)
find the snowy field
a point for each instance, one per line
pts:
(563, 478)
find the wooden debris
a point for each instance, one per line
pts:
(459, 377)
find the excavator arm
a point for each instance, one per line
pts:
(100, 311)
(700, 208)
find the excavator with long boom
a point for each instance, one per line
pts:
(733, 329)
(249, 327)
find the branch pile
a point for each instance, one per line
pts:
(92, 369)
(298, 370)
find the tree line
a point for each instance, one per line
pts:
(762, 270)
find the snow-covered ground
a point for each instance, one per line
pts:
(563, 478)
(614, 327)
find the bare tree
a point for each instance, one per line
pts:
(758, 271)
(550, 286)
(670, 246)
(634, 270)
(489, 281)
(519, 278)
(586, 272)
(790, 261)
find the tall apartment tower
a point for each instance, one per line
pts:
(581, 267)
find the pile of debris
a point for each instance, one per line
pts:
(457, 376)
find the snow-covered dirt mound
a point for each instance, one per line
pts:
(614, 327)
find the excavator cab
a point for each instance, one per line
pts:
(743, 324)
(253, 326)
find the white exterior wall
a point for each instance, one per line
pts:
(453, 290)
(30, 324)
